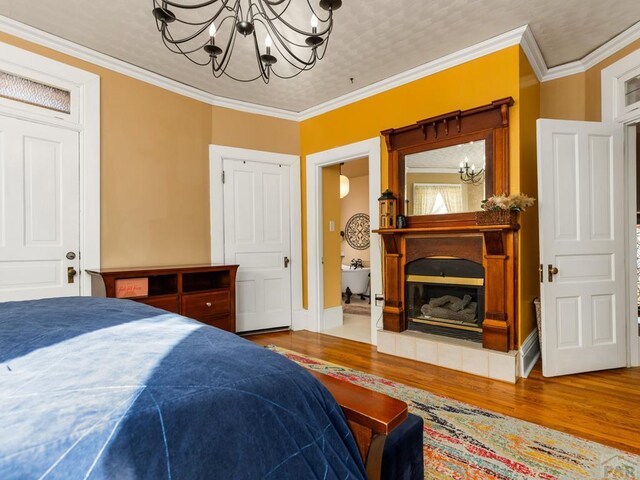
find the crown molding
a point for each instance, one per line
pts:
(34, 35)
(534, 55)
(478, 50)
(614, 45)
(564, 70)
(600, 54)
(522, 36)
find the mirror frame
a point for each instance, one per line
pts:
(488, 122)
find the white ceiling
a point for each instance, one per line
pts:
(372, 39)
(448, 157)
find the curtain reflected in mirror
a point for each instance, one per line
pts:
(445, 180)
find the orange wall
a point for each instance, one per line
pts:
(154, 165)
(564, 98)
(579, 96)
(256, 132)
(528, 247)
(331, 240)
(477, 82)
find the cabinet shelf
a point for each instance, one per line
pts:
(203, 292)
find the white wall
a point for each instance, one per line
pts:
(356, 202)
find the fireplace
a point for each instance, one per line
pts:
(445, 296)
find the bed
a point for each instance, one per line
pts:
(106, 388)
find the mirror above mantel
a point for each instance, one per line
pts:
(442, 167)
(445, 180)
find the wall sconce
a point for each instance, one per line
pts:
(344, 184)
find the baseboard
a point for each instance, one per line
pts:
(300, 320)
(529, 353)
(332, 317)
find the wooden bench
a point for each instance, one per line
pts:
(371, 417)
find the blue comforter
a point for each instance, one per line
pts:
(105, 388)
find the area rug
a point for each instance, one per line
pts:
(356, 309)
(468, 443)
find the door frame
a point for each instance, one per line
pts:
(612, 99)
(315, 276)
(84, 119)
(217, 155)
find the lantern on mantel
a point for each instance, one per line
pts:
(387, 203)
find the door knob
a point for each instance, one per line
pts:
(286, 262)
(71, 273)
(552, 271)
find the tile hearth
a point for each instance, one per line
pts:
(451, 353)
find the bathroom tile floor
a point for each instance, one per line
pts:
(355, 327)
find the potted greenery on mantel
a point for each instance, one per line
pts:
(503, 209)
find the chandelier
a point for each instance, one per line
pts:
(468, 174)
(206, 32)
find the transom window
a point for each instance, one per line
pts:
(35, 93)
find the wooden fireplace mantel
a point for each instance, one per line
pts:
(494, 246)
(455, 234)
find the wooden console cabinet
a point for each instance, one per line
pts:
(204, 292)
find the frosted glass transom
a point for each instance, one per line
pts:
(31, 92)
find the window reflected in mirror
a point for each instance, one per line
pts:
(445, 180)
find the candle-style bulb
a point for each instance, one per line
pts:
(466, 161)
(473, 169)
(212, 30)
(314, 21)
(267, 42)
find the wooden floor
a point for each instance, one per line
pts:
(601, 406)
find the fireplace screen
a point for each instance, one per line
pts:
(445, 293)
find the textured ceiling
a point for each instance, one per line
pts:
(449, 157)
(372, 39)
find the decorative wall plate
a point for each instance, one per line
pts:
(357, 231)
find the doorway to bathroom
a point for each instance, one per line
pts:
(321, 318)
(346, 250)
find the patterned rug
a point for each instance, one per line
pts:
(468, 443)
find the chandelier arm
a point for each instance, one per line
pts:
(287, 77)
(206, 23)
(189, 7)
(281, 39)
(293, 27)
(276, 15)
(301, 64)
(222, 67)
(269, 14)
(263, 18)
(242, 80)
(231, 41)
(182, 52)
(282, 42)
(264, 72)
(324, 46)
(320, 18)
(218, 72)
(188, 38)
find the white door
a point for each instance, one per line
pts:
(257, 237)
(581, 208)
(39, 210)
